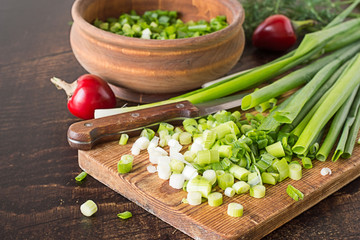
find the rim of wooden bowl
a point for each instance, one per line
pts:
(233, 5)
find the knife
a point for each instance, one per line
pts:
(84, 135)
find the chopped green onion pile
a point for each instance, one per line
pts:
(159, 24)
(224, 155)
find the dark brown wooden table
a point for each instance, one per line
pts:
(39, 198)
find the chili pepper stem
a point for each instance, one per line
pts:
(300, 25)
(69, 88)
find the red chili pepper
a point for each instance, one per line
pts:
(277, 33)
(87, 93)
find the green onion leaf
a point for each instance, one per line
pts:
(294, 193)
(81, 176)
(124, 215)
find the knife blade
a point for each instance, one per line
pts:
(84, 135)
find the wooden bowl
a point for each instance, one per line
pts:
(157, 66)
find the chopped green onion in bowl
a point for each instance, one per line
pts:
(159, 24)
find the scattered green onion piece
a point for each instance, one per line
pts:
(283, 168)
(237, 115)
(125, 164)
(239, 173)
(276, 149)
(215, 199)
(257, 191)
(189, 156)
(176, 136)
(176, 165)
(178, 130)
(235, 210)
(254, 179)
(225, 180)
(294, 193)
(246, 128)
(88, 208)
(81, 176)
(164, 126)
(225, 163)
(241, 187)
(307, 163)
(124, 215)
(199, 184)
(210, 175)
(205, 157)
(268, 178)
(194, 198)
(219, 173)
(295, 171)
(123, 139)
(229, 192)
(148, 133)
(185, 138)
(222, 130)
(225, 151)
(230, 138)
(276, 176)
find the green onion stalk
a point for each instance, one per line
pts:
(289, 113)
(335, 128)
(322, 69)
(336, 97)
(350, 131)
(307, 108)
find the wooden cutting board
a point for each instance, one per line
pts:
(261, 216)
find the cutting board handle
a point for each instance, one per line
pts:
(84, 135)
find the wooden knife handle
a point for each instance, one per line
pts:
(84, 135)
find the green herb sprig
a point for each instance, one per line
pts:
(322, 11)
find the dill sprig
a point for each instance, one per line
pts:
(322, 11)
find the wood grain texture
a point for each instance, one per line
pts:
(261, 216)
(152, 66)
(39, 198)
